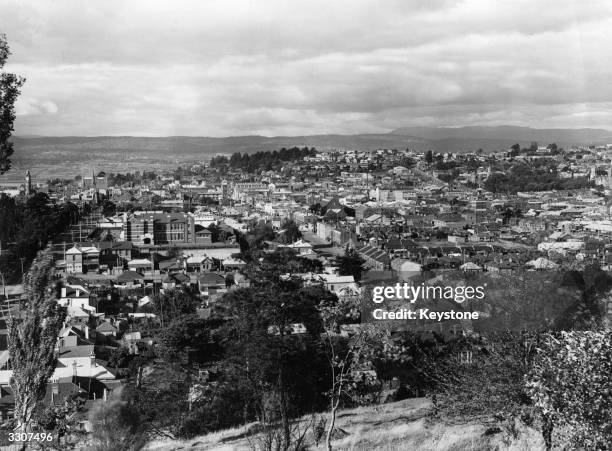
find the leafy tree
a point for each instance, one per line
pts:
(258, 233)
(429, 158)
(119, 357)
(108, 208)
(189, 339)
(264, 348)
(317, 209)
(291, 232)
(61, 419)
(515, 150)
(172, 304)
(115, 424)
(350, 264)
(32, 339)
(10, 85)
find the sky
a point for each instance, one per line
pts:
(296, 67)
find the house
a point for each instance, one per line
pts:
(230, 264)
(300, 246)
(74, 260)
(107, 329)
(129, 279)
(75, 296)
(211, 286)
(375, 258)
(198, 263)
(202, 234)
(140, 264)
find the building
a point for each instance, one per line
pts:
(159, 228)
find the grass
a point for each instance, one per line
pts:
(387, 427)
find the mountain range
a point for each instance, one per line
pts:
(138, 153)
(459, 139)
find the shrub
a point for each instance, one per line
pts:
(570, 384)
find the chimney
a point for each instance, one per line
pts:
(86, 332)
(54, 390)
(105, 394)
(92, 359)
(74, 368)
(63, 292)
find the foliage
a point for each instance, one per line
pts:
(32, 339)
(119, 357)
(60, 419)
(345, 356)
(350, 264)
(267, 350)
(189, 339)
(10, 85)
(540, 176)
(475, 376)
(429, 157)
(30, 224)
(258, 233)
(115, 424)
(290, 232)
(570, 384)
(108, 208)
(172, 304)
(269, 160)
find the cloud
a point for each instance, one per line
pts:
(276, 67)
(28, 107)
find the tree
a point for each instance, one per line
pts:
(108, 208)
(344, 355)
(32, 340)
(10, 85)
(115, 424)
(173, 303)
(60, 419)
(189, 338)
(266, 350)
(350, 264)
(515, 150)
(429, 157)
(291, 232)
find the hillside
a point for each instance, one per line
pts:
(510, 133)
(394, 426)
(67, 156)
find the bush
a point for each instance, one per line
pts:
(115, 425)
(570, 383)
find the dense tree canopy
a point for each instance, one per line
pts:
(10, 85)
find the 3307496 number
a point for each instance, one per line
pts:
(29, 436)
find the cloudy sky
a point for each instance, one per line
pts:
(287, 67)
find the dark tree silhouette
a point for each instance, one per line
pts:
(32, 339)
(10, 85)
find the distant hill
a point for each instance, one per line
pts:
(508, 132)
(66, 156)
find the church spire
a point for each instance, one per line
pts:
(28, 183)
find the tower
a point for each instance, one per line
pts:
(95, 198)
(28, 183)
(224, 189)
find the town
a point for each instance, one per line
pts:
(141, 249)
